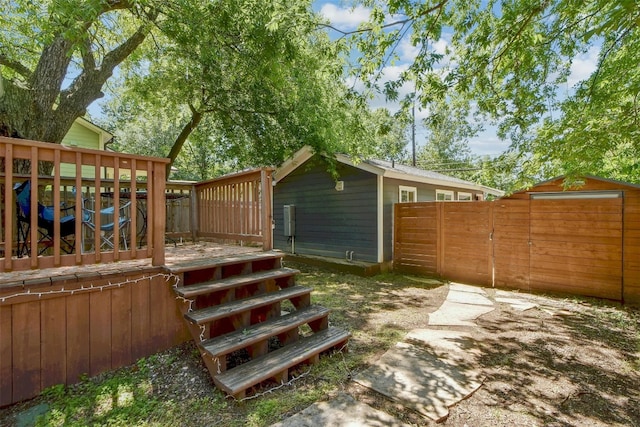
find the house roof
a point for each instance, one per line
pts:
(387, 170)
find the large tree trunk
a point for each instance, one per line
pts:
(37, 107)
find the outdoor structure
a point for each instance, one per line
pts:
(352, 217)
(583, 239)
(97, 292)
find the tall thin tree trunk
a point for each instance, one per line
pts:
(196, 117)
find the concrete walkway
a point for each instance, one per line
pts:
(430, 371)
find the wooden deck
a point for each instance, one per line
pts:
(180, 254)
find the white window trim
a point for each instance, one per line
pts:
(468, 195)
(445, 193)
(413, 190)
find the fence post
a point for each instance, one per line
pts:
(267, 188)
(440, 238)
(8, 206)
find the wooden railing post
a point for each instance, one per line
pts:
(194, 217)
(159, 212)
(267, 191)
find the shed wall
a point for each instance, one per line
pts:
(328, 222)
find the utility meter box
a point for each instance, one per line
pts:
(289, 220)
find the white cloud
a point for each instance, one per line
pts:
(407, 51)
(345, 18)
(583, 66)
(441, 46)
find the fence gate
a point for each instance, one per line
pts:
(510, 240)
(566, 245)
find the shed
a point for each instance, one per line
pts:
(585, 233)
(352, 216)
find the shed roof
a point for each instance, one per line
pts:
(387, 170)
(584, 183)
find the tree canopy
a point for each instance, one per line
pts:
(251, 77)
(256, 80)
(508, 59)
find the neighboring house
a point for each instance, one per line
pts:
(84, 134)
(353, 217)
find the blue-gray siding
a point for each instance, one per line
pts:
(328, 222)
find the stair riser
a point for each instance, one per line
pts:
(225, 271)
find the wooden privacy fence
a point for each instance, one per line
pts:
(236, 207)
(587, 247)
(97, 176)
(55, 331)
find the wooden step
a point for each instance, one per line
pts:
(233, 282)
(233, 341)
(210, 314)
(199, 264)
(276, 364)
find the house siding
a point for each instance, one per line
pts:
(328, 222)
(81, 137)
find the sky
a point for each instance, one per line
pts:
(346, 18)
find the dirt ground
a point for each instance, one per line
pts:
(567, 362)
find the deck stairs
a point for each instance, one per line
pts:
(250, 320)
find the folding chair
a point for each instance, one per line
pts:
(46, 223)
(108, 224)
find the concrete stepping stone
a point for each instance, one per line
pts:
(418, 379)
(343, 411)
(453, 286)
(464, 297)
(515, 301)
(457, 314)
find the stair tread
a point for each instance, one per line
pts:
(255, 333)
(200, 264)
(233, 281)
(234, 307)
(262, 368)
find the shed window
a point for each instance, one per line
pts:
(408, 194)
(444, 195)
(465, 197)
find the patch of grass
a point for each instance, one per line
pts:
(120, 400)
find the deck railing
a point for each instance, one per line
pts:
(235, 207)
(99, 175)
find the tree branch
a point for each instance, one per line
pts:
(196, 117)
(15, 66)
(92, 79)
(88, 61)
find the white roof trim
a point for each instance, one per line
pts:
(300, 157)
